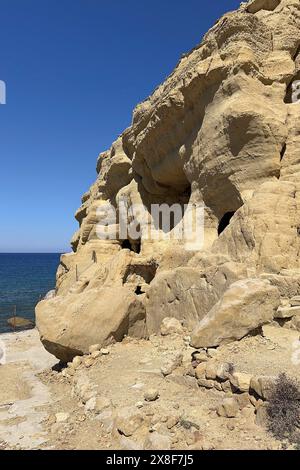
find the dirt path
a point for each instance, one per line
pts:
(21, 391)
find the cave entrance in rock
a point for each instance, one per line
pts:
(225, 221)
(132, 246)
(139, 290)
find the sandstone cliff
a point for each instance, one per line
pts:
(223, 131)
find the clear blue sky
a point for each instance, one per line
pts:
(74, 70)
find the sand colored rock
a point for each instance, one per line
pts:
(222, 131)
(245, 306)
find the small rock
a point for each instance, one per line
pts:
(129, 421)
(241, 381)
(206, 383)
(200, 371)
(104, 352)
(171, 326)
(229, 408)
(151, 394)
(173, 421)
(90, 404)
(171, 364)
(77, 361)
(61, 417)
(94, 347)
(200, 357)
(243, 400)
(211, 371)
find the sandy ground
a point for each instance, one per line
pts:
(40, 408)
(21, 391)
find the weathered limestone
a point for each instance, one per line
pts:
(244, 307)
(221, 131)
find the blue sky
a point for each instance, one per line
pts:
(74, 70)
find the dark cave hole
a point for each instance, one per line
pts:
(132, 246)
(283, 150)
(225, 221)
(139, 290)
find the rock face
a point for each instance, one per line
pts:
(221, 132)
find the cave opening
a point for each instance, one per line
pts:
(225, 221)
(282, 153)
(132, 246)
(139, 291)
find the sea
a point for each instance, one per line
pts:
(24, 280)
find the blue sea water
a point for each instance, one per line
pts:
(24, 279)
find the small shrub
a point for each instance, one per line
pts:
(283, 409)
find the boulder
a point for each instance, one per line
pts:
(241, 381)
(263, 386)
(70, 324)
(245, 306)
(229, 408)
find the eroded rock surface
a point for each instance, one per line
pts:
(223, 131)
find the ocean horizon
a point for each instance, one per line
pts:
(25, 278)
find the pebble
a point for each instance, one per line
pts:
(77, 361)
(173, 421)
(151, 394)
(104, 352)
